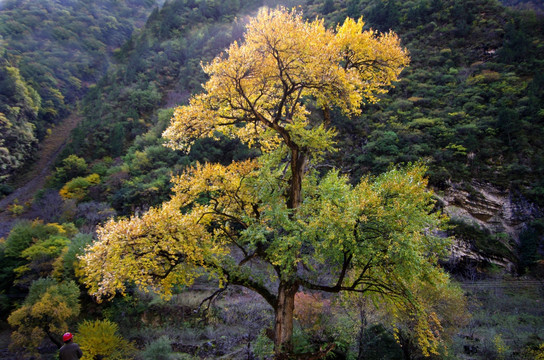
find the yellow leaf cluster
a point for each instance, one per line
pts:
(77, 187)
(144, 250)
(170, 244)
(435, 313)
(536, 353)
(100, 338)
(373, 60)
(256, 88)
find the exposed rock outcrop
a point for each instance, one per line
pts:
(468, 259)
(499, 212)
(496, 210)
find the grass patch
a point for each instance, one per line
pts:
(507, 317)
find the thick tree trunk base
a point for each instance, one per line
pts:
(283, 328)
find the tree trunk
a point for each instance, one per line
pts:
(54, 339)
(362, 330)
(283, 328)
(406, 346)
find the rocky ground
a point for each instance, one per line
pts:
(4, 342)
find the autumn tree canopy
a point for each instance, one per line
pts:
(46, 311)
(275, 224)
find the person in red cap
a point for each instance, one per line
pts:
(70, 350)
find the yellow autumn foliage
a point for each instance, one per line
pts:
(100, 338)
(256, 87)
(166, 246)
(47, 310)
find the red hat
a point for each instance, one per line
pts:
(67, 337)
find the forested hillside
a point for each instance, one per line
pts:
(158, 68)
(470, 106)
(19, 106)
(56, 49)
(471, 101)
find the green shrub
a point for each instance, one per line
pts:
(5, 189)
(159, 349)
(51, 247)
(77, 187)
(26, 232)
(67, 265)
(16, 209)
(72, 166)
(263, 347)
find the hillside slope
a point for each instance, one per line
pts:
(57, 50)
(35, 176)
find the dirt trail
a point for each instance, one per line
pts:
(29, 183)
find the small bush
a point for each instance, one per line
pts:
(160, 349)
(25, 232)
(263, 347)
(100, 338)
(77, 187)
(16, 209)
(534, 352)
(5, 190)
(500, 346)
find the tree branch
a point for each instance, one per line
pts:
(237, 278)
(211, 298)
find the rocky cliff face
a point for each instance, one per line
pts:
(497, 210)
(500, 213)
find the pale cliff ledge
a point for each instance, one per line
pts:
(499, 211)
(463, 254)
(499, 215)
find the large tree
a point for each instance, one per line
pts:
(278, 223)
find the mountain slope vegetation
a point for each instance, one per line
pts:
(470, 103)
(19, 106)
(58, 49)
(157, 68)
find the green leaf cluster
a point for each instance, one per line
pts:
(34, 250)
